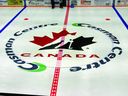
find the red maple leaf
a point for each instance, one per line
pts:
(42, 41)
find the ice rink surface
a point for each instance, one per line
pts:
(98, 69)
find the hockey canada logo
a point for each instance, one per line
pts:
(71, 45)
(81, 50)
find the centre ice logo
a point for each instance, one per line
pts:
(79, 45)
(75, 44)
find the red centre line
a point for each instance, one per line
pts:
(59, 57)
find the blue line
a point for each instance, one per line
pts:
(121, 18)
(14, 17)
(113, 3)
(25, 3)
